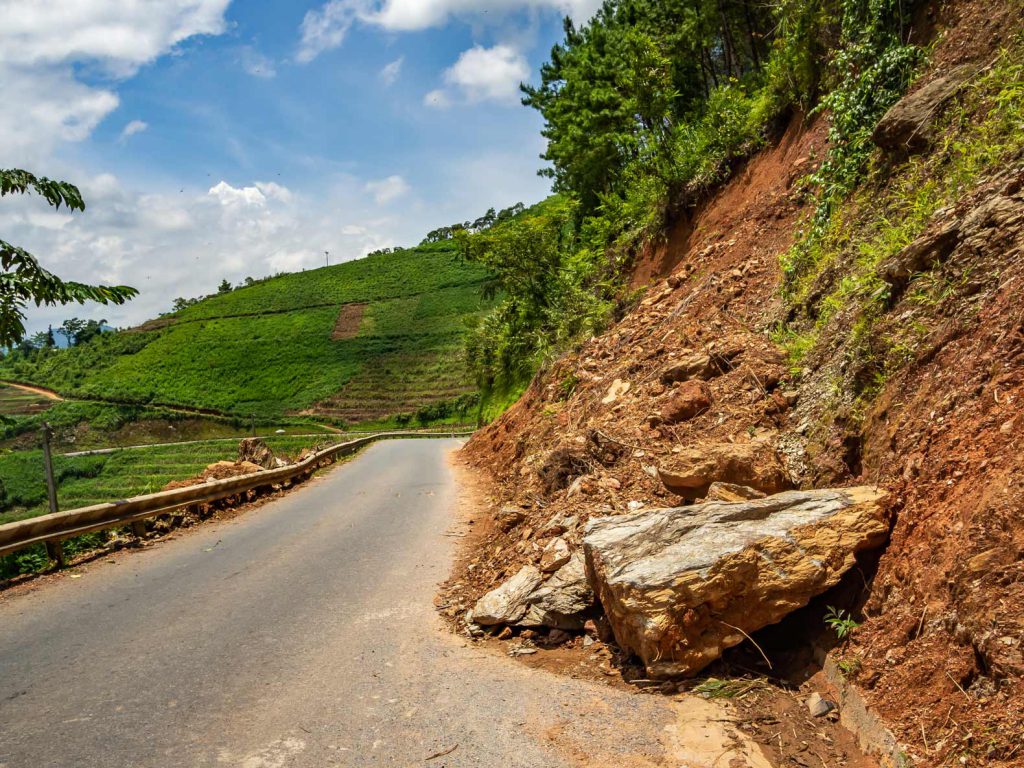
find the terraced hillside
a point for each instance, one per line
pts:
(365, 340)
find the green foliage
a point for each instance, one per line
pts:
(833, 272)
(24, 280)
(840, 622)
(872, 66)
(616, 88)
(647, 107)
(551, 293)
(267, 349)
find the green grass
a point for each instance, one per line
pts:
(86, 480)
(266, 351)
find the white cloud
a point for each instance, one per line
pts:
(255, 63)
(390, 73)
(327, 27)
(121, 34)
(405, 15)
(228, 195)
(491, 74)
(135, 126)
(42, 42)
(387, 190)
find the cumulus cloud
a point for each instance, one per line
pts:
(489, 74)
(42, 43)
(327, 26)
(390, 73)
(132, 128)
(43, 107)
(386, 190)
(120, 34)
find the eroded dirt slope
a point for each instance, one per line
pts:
(939, 653)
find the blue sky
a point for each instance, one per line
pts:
(219, 139)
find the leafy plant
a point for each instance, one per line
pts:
(840, 621)
(24, 280)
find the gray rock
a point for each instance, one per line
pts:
(695, 365)
(560, 601)
(819, 706)
(908, 126)
(929, 249)
(507, 603)
(678, 586)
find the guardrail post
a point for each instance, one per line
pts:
(54, 549)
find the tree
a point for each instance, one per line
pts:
(90, 331)
(224, 287)
(71, 329)
(23, 279)
(44, 339)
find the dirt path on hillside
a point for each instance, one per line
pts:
(49, 394)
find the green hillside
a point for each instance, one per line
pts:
(364, 340)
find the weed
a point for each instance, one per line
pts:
(840, 621)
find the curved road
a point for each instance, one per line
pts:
(301, 634)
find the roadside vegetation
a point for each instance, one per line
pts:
(648, 107)
(832, 282)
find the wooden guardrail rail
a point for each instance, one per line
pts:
(55, 527)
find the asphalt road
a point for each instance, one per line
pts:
(301, 634)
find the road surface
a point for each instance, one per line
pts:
(302, 634)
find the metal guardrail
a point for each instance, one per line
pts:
(54, 528)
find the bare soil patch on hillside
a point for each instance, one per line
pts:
(349, 320)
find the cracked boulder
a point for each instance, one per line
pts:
(679, 586)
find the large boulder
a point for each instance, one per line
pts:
(507, 604)
(681, 585)
(691, 472)
(908, 126)
(560, 601)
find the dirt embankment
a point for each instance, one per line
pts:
(939, 652)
